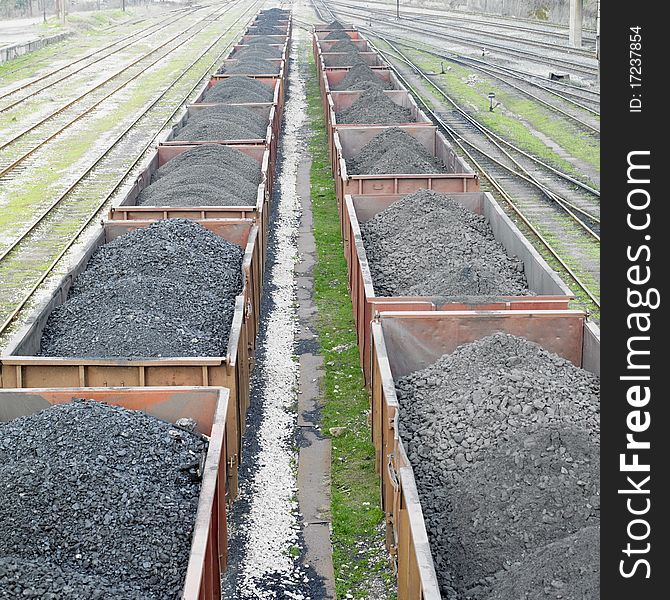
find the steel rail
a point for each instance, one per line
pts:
(4, 170)
(119, 72)
(25, 299)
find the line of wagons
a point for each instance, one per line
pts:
(212, 391)
(399, 335)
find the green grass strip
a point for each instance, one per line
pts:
(359, 558)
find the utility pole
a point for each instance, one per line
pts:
(397, 9)
(576, 16)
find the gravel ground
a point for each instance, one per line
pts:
(165, 290)
(394, 151)
(568, 569)
(429, 245)
(251, 66)
(95, 502)
(503, 439)
(214, 155)
(239, 89)
(265, 527)
(360, 76)
(376, 108)
(223, 122)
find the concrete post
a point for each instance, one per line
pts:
(576, 10)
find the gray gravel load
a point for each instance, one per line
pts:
(214, 155)
(394, 151)
(503, 439)
(262, 39)
(214, 129)
(164, 290)
(251, 66)
(257, 121)
(531, 490)
(344, 59)
(260, 50)
(224, 181)
(568, 569)
(200, 186)
(239, 89)
(337, 35)
(334, 25)
(96, 501)
(223, 122)
(429, 245)
(266, 30)
(360, 76)
(193, 194)
(374, 107)
(344, 46)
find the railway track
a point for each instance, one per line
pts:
(577, 111)
(33, 256)
(475, 39)
(15, 151)
(125, 24)
(47, 80)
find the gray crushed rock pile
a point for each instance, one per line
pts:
(394, 151)
(223, 122)
(251, 66)
(266, 29)
(344, 46)
(263, 39)
(259, 51)
(96, 501)
(164, 290)
(200, 185)
(564, 570)
(429, 245)
(239, 89)
(337, 35)
(373, 106)
(212, 155)
(360, 76)
(343, 59)
(334, 25)
(503, 437)
(540, 486)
